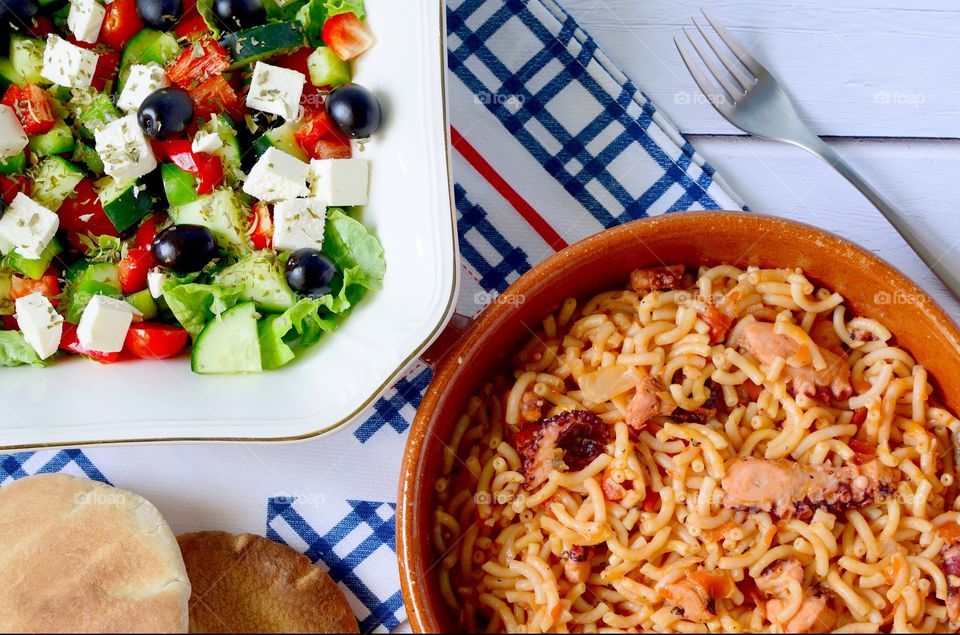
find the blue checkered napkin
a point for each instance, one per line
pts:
(359, 551)
(551, 144)
(528, 66)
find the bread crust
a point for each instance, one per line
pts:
(250, 584)
(80, 556)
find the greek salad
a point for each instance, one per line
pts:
(179, 174)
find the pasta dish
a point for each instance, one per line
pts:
(708, 449)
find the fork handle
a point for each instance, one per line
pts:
(941, 257)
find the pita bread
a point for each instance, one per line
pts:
(249, 584)
(80, 556)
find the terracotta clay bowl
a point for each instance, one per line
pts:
(871, 287)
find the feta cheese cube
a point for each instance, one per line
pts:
(276, 90)
(12, 138)
(340, 181)
(67, 64)
(85, 18)
(28, 226)
(143, 80)
(104, 324)
(298, 224)
(124, 150)
(40, 323)
(155, 282)
(277, 176)
(208, 142)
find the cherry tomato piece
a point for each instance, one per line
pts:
(261, 226)
(120, 24)
(347, 36)
(133, 269)
(153, 340)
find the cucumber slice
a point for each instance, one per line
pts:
(230, 151)
(326, 69)
(26, 56)
(55, 179)
(146, 46)
(263, 281)
(13, 165)
(88, 156)
(102, 272)
(92, 109)
(229, 344)
(223, 214)
(262, 42)
(142, 301)
(9, 75)
(125, 204)
(281, 138)
(34, 268)
(179, 185)
(58, 140)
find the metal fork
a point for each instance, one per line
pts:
(751, 99)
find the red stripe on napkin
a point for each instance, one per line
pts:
(526, 210)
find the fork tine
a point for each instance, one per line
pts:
(734, 44)
(701, 78)
(719, 76)
(728, 63)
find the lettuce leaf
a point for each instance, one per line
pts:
(311, 17)
(348, 244)
(358, 255)
(284, 336)
(336, 7)
(195, 304)
(14, 350)
(205, 9)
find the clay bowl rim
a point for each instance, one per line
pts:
(414, 576)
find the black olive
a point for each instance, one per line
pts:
(185, 248)
(165, 113)
(234, 15)
(20, 10)
(354, 109)
(310, 273)
(160, 14)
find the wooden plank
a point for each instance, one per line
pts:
(781, 180)
(857, 68)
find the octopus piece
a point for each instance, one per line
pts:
(656, 278)
(787, 489)
(720, 317)
(950, 533)
(569, 440)
(695, 596)
(814, 614)
(531, 406)
(576, 564)
(761, 340)
(703, 413)
(650, 400)
(825, 336)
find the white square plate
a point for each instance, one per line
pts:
(77, 401)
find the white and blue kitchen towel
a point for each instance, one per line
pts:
(551, 143)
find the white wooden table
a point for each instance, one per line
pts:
(881, 78)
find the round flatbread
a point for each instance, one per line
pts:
(81, 556)
(249, 584)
